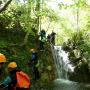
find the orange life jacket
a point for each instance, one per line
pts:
(23, 80)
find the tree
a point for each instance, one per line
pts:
(5, 6)
(28, 23)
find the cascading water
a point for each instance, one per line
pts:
(62, 62)
(63, 66)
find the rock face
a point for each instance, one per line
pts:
(81, 62)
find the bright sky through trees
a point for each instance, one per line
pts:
(54, 3)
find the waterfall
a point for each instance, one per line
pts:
(62, 63)
(63, 66)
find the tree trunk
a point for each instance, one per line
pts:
(28, 22)
(77, 19)
(38, 11)
(5, 6)
(26, 38)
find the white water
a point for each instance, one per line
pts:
(62, 63)
(63, 66)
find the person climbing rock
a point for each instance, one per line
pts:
(34, 62)
(34, 57)
(42, 39)
(17, 79)
(53, 37)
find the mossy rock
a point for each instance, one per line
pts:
(49, 68)
(45, 78)
(66, 48)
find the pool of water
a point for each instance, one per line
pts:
(61, 84)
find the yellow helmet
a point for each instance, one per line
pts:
(2, 58)
(12, 65)
(32, 50)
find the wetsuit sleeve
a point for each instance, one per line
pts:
(6, 82)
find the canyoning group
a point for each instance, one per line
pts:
(17, 79)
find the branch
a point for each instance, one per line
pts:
(5, 6)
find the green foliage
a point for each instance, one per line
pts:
(51, 14)
(5, 20)
(76, 3)
(78, 44)
(21, 22)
